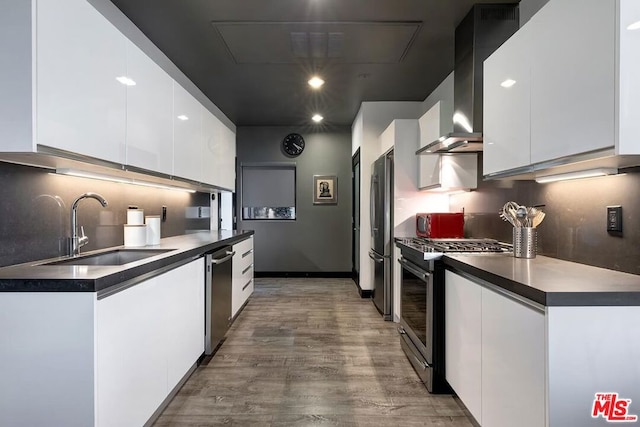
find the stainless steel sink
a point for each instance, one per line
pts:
(115, 257)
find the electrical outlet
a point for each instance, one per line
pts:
(614, 219)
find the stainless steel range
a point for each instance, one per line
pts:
(422, 302)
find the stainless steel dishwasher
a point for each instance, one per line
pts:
(219, 274)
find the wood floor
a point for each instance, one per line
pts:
(309, 352)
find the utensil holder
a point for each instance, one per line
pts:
(525, 242)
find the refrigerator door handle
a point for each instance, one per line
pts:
(374, 257)
(372, 205)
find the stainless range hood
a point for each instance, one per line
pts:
(480, 33)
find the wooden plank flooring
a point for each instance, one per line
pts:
(309, 352)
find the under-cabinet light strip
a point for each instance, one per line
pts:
(589, 173)
(93, 175)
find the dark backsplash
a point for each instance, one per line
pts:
(574, 228)
(35, 212)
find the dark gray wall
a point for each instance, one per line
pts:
(35, 212)
(528, 8)
(574, 228)
(319, 240)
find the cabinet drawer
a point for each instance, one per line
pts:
(244, 255)
(241, 248)
(247, 288)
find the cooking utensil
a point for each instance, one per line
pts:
(509, 211)
(506, 217)
(538, 219)
(521, 215)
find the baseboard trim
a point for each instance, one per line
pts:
(364, 293)
(321, 274)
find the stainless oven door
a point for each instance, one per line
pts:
(416, 318)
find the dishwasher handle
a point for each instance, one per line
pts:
(227, 257)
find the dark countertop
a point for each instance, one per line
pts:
(33, 277)
(550, 281)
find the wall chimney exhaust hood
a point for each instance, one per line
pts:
(478, 35)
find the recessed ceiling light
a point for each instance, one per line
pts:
(316, 82)
(317, 118)
(127, 81)
(634, 26)
(508, 83)
(183, 117)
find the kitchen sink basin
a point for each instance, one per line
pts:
(115, 257)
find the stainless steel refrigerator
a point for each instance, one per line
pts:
(381, 233)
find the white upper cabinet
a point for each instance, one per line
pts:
(218, 152)
(76, 87)
(581, 98)
(80, 106)
(228, 158)
(187, 135)
(430, 124)
(211, 142)
(443, 172)
(573, 84)
(149, 114)
(507, 112)
(628, 72)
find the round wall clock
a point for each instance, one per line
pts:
(293, 144)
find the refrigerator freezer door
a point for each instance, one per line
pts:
(382, 284)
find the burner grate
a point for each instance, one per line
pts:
(457, 245)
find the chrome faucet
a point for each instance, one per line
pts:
(77, 241)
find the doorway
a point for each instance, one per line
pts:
(355, 216)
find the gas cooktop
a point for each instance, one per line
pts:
(432, 248)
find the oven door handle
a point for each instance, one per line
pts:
(374, 257)
(421, 274)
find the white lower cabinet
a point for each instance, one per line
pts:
(242, 283)
(131, 368)
(513, 362)
(463, 344)
(147, 338)
(495, 354)
(185, 312)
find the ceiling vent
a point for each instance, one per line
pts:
(342, 42)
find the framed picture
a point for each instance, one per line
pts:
(325, 190)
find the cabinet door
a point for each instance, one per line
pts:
(228, 159)
(211, 148)
(429, 170)
(513, 362)
(429, 125)
(463, 304)
(149, 114)
(629, 101)
(187, 135)
(506, 105)
(573, 84)
(387, 138)
(80, 106)
(185, 318)
(131, 362)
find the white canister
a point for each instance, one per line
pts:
(135, 235)
(153, 229)
(135, 216)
